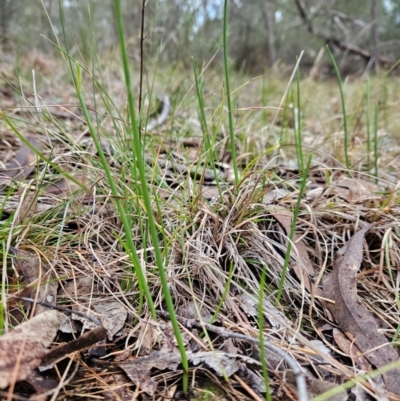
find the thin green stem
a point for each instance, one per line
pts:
(228, 93)
(368, 122)
(356, 380)
(134, 131)
(346, 133)
(225, 293)
(376, 154)
(292, 230)
(299, 143)
(203, 122)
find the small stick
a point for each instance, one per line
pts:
(294, 365)
(84, 341)
(246, 387)
(59, 308)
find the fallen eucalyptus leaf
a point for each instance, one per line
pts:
(23, 348)
(352, 316)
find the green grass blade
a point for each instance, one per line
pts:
(292, 230)
(228, 95)
(345, 129)
(207, 141)
(137, 147)
(368, 123)
(298, 141)
(356, 380)
(376, 154)
(224, 294)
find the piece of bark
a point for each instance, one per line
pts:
(84, 341)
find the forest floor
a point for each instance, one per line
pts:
(283, 273)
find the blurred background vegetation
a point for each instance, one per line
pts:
(364, 34)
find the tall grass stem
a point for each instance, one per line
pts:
(147, 201)
(228, 95)
(376, 154)
(345, 129)
(292, 230)
(368, 123)
(299, 143)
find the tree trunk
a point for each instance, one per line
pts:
(375, 33)
(5, 11)
(269, 19)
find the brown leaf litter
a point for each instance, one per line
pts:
(236, 238)
(37, 277)
(68, 254)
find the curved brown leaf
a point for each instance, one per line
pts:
(352, 316)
